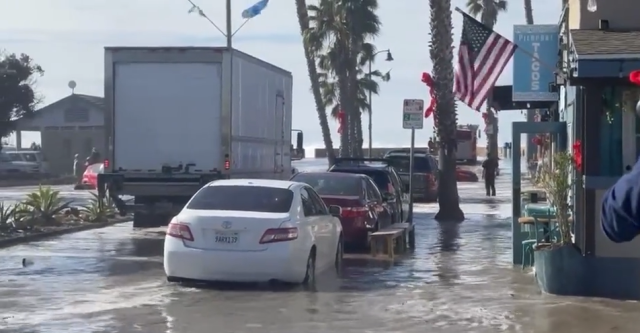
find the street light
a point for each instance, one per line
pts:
(389, 58)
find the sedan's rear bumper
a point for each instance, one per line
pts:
(275, 263)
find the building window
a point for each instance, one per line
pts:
(76, 115)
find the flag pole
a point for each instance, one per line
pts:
(527, 52)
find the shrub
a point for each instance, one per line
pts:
(6, 215)
(98, 210)
(44, 205)
(556, 181)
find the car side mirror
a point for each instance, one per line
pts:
(335, 210)
(388, 196)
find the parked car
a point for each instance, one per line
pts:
(17, 169)
(386, 179)
(363, 208)
(425, 173)
(90, 177)
(33, 156)
(463, 175)
(252, 230)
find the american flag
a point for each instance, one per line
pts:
(482, 56)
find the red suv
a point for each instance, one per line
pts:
(363, 209)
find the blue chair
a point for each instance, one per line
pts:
(540, 232)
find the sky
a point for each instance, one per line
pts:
(67, 38)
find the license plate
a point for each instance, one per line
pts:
(226, 237)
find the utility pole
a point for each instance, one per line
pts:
(229, 36)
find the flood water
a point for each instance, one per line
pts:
(459, 279)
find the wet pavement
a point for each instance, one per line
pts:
(14, 194)
(459, 279)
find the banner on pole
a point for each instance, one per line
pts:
(531, 79)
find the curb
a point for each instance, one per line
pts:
(8, 242)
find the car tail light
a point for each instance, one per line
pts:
(105, 163)
(279, 235)
(180, 231)
(227, 162)
(354, 211)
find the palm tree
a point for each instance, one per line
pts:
(441, 51)
(528, 11)
(303, 20)
(339, 30)
(365, 83)
(488, 11)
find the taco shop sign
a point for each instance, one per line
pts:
(532, 76)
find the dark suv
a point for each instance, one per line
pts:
(386, 179)
(425, 173)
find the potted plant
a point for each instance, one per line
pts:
(559, 264)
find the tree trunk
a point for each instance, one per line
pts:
(303, 20)
(528, 11)
(345, 136)
(441, 52)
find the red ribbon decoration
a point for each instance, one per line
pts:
(428, 80)
(341, 117)
(577, 155)
(634, 77)
(537, 140)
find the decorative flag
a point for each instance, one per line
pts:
(482, 56)
(428, 80)
(255, 10)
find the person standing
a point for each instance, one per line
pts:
(77, 168)
(489, 170)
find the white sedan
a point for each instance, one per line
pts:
(252, 230)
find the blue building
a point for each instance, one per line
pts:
(597, 52)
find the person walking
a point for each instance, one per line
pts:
(489, 170)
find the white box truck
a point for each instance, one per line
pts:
(180, 117)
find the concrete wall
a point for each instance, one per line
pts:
(59, 146)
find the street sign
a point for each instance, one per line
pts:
(412, 114)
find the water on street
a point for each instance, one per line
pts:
(459, 279)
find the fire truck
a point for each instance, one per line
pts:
(467, 137)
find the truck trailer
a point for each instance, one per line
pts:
(178, 118)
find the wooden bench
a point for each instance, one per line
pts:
(386, 237)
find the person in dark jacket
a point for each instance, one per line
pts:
(489, 172)
(620, 211)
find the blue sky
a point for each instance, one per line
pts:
(67, 38)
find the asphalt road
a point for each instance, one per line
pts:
(459, 279)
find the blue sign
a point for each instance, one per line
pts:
(534, 62)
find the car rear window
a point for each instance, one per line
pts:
(401, 163)
(328, 184)
(243, 198)
(380, 177)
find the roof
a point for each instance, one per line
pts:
(95, 101)
(599, 42)
(253, 182)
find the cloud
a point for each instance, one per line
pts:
(67, 38)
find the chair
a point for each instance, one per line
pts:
(529, 244)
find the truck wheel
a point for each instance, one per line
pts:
(148, 220)
(141, 220)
